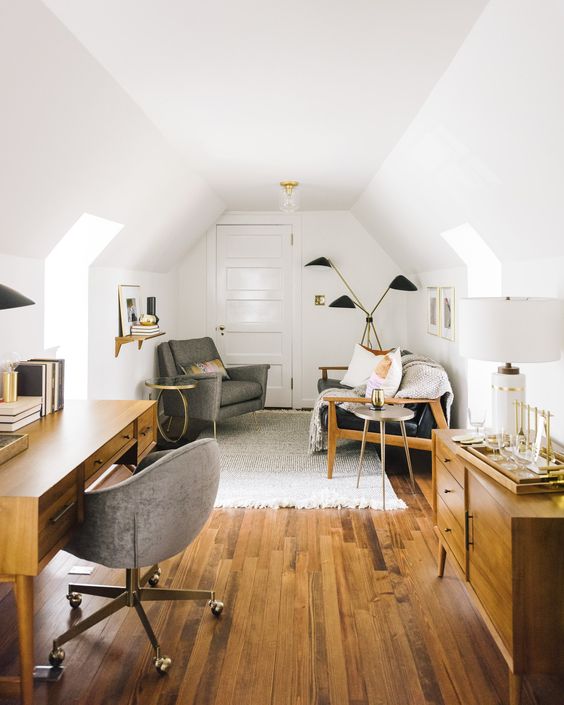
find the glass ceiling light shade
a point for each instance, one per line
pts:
(399, 283)
(509, 330)
(10, 298)
(289, 197)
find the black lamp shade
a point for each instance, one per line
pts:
(319, 262)
(342, 302)
(9, 298)
(402, 283)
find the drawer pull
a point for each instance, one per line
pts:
(447, 530)
(467, 517)
(447, 491)
(446, 460)
(61, 514)
(98, 462)
(126, 438)
(146, 430)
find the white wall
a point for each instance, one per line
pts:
(327, 335)
(123, 377)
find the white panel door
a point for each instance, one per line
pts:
(254, 302)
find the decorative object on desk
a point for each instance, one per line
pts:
(446, 317)
(152, 307)
(386, 374)
(55, 378)
(378, 398)
(289, 197)
(509, 329)
(147, 320)
(433, 311)
(399, 283)
(15, 415)
(12, 445)
(10, 377)
(129, 306)
(43, 378)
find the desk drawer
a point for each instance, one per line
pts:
(146, 431)
(450, 492)
(451, 532)
(448, 457)
(58, 513)
(103, 455)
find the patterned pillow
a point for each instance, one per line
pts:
(198, 368)
(386, 374)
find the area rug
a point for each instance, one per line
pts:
(265, 463)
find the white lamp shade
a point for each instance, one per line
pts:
(510, 329)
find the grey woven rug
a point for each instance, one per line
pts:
(266, 464)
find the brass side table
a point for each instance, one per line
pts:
(174, 384)
(386, 413)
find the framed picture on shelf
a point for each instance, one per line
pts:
(446, 298)
(129, 306)
(433, 322)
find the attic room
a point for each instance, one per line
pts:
(282, 415)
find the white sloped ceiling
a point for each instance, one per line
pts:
(72, 141)
(487, 148)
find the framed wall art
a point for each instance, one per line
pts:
(433, 317)
(447, 312)
(129, 306)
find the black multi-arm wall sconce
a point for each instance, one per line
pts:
(399, 283)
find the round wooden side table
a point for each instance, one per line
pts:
(387, 413)
(172, 384)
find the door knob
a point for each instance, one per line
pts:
(221, 329)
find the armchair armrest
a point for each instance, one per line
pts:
(251, 373)
(331, 367)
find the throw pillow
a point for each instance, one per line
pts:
(386, 374)
(198, 368)
(360, 366)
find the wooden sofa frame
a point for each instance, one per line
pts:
(334, 432)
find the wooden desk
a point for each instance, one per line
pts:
(42, 492)
(508, 549)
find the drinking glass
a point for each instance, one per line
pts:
(522, 456)
(477, 419)
(494, 441)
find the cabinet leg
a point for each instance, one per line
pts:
(515, 686)
(441, 560)
(24, 606)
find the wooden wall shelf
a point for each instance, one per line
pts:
(124, 339)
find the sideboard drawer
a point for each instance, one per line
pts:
(146, 431)
(101, 458)
(58, 513)
(451, 532)
(450, 491)
(448, 457)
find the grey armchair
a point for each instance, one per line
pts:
(147, 518)
(214, 399)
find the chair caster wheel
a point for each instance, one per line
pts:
(75, 599)
(56, 657)
(162, 664)
(216, 607)
(154, 579)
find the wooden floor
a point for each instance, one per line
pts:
(329, 607)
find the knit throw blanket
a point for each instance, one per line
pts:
(422, 378)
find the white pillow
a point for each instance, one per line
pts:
(386, 374)
(360, 367)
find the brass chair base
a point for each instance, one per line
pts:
(132, 595)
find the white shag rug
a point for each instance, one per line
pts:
(267, 464)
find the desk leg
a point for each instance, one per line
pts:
(24, 605)
(383, 459)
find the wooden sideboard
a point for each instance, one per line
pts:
(42, 496)
(509, 549)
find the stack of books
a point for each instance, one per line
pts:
(139, 329)
(15, 414)
(43, 378)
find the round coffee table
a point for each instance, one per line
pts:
(174, 384)
(387, 413)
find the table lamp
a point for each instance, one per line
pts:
(510, 329)
(399, 283)
(9, 298)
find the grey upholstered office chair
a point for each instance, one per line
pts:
(214, 399)
(147, 518)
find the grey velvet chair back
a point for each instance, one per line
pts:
(154, 514)
(186, 352)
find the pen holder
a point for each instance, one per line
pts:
(10, 385)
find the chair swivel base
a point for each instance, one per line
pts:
(132, 595)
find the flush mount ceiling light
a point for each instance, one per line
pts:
(289, 198)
